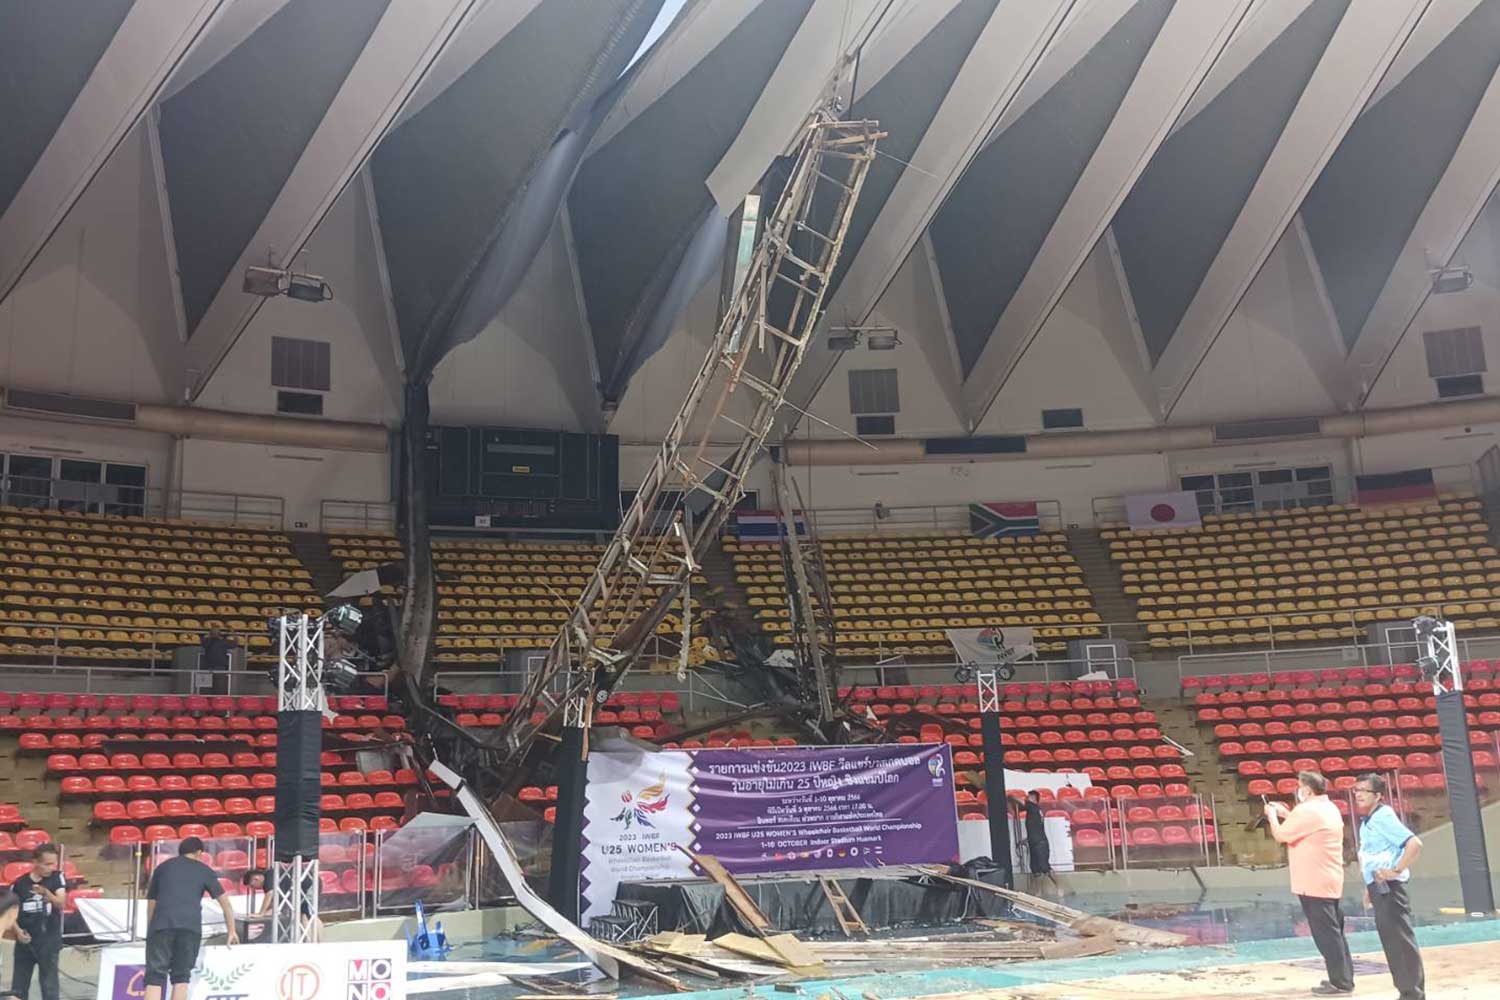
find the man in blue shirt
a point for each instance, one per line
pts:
(1387, 850)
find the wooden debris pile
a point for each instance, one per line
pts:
(765, 954)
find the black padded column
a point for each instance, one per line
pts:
(994, 790)
(1463, 804)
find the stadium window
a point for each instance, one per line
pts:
(302, 404)
(1317, 480)
(1062, 419)
(874, 391)
(28, 481)
(77, 488)
(877, 426)
(301, 364)
(74, 485)
(125, 490)
(1452, 386)
(1454, 352)
(1262, 489)
(1203, 488)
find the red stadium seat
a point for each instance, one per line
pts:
(124, 835)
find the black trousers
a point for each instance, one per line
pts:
(1325, 918)
(1393, 923)
(171, 954)
(40, 955)
(1041, 854)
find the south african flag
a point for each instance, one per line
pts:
(997, 520)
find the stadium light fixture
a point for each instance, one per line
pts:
(1455, 278)
(843, 338)
(269, 282)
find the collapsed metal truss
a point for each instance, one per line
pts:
(757, 349)
(811, 602)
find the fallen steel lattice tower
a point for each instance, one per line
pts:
(757, 349)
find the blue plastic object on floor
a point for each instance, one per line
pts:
(427, 945)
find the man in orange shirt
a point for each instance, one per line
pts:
(1313, 833)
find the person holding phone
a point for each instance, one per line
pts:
(1387, 850)
(1313, 833)
(44, 894)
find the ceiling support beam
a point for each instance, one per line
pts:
(149, 44)
(1459, 197)
(1357, 56)
(405, 44)
(1003, 57)
(1191, 38)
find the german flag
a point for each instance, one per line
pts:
(1395, 487)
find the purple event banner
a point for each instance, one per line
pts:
(808, 808)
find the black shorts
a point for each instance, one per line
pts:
(171, 952)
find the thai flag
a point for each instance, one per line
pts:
(763, 524)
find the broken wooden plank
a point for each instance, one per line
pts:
(1066, 916)
(1084, 947)
(452, 984)
(733, 891)
(780, 949)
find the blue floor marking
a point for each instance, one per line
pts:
(900, 985)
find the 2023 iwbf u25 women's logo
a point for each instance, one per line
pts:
(645, 804)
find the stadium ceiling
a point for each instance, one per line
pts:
(1182, 142)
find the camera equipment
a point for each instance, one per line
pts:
(345, 618)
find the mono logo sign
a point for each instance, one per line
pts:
(370, 979)
(299, 982)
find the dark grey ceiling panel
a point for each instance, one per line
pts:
(905, 101)
(446, 178)
(47, 53)
(1366, 202)
(989, 230)
(637, 200)
(230, 139)
(1172, 224)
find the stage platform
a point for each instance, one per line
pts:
(888, 897)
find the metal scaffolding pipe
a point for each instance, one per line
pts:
(249, 428)
(1146, 440)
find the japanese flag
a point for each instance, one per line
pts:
(1163, 510)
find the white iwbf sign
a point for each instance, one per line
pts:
(369, 970)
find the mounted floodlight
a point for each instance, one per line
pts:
(308, 288)
(265, 281)
(269, 282)
(1447, 280)
(843, 338)
(884, 340)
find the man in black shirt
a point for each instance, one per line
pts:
(43, 893)
(174, 924)
(1036, 836)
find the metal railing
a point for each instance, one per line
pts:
(911, 518)
(1109, 511)
(53, 678)
(1323, 657)
(1282, 627)
(145, 502)
(361, 517)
